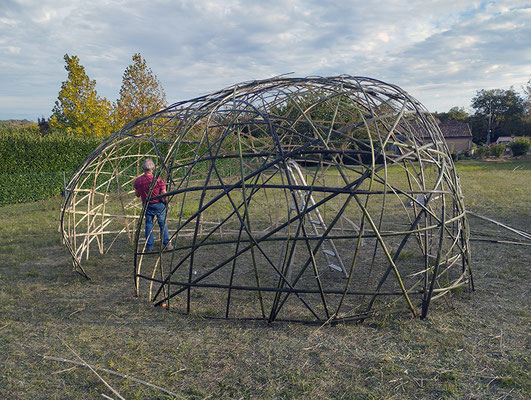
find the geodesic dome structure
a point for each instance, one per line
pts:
(313, 199)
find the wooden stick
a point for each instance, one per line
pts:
(93, 367)
(500, 241)
(517, 231)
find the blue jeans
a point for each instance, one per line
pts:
(158, 210)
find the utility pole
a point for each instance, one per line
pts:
(490, 118)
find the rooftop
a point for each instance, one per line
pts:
(455, 129)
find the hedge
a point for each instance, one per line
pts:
(32, 166)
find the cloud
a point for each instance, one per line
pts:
(440, 51)
(482, 51)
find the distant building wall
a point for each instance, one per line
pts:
(457, 134)
(459, 144)
(505, 139)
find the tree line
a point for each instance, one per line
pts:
(79, 110)
(508, 112)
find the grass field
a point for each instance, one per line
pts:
(472, 346)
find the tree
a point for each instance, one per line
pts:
(79, 110)
(141, 93)
(507, 111)
(44, 126)
(454, 114)
(527, 103)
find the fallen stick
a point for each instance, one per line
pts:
(500, 241)
(518, 232)
(114, 373)
(64, 370)
(93, 370)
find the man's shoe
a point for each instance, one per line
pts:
(149, 249)
(168, 247)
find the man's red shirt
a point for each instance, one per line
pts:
(142, 185)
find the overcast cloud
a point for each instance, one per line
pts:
(441, 52)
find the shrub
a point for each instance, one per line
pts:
(497, 150)
(482, 152)
(520, 147)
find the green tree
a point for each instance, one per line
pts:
(78, 109)
(141, 93)
(527, 103)
(44, 126)
(454, 114)
(507, 112)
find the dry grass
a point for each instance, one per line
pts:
(471, 346)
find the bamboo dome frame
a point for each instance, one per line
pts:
(313, 199)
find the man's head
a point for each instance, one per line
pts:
(148, 165)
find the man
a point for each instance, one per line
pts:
(155, 207)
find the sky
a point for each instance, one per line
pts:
(440, 52)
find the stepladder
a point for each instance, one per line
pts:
(303, 202)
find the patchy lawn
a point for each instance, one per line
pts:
(473, 346)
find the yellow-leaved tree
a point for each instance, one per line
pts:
(78, 109)
(141, 93)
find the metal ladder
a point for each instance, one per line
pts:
(317, 223)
